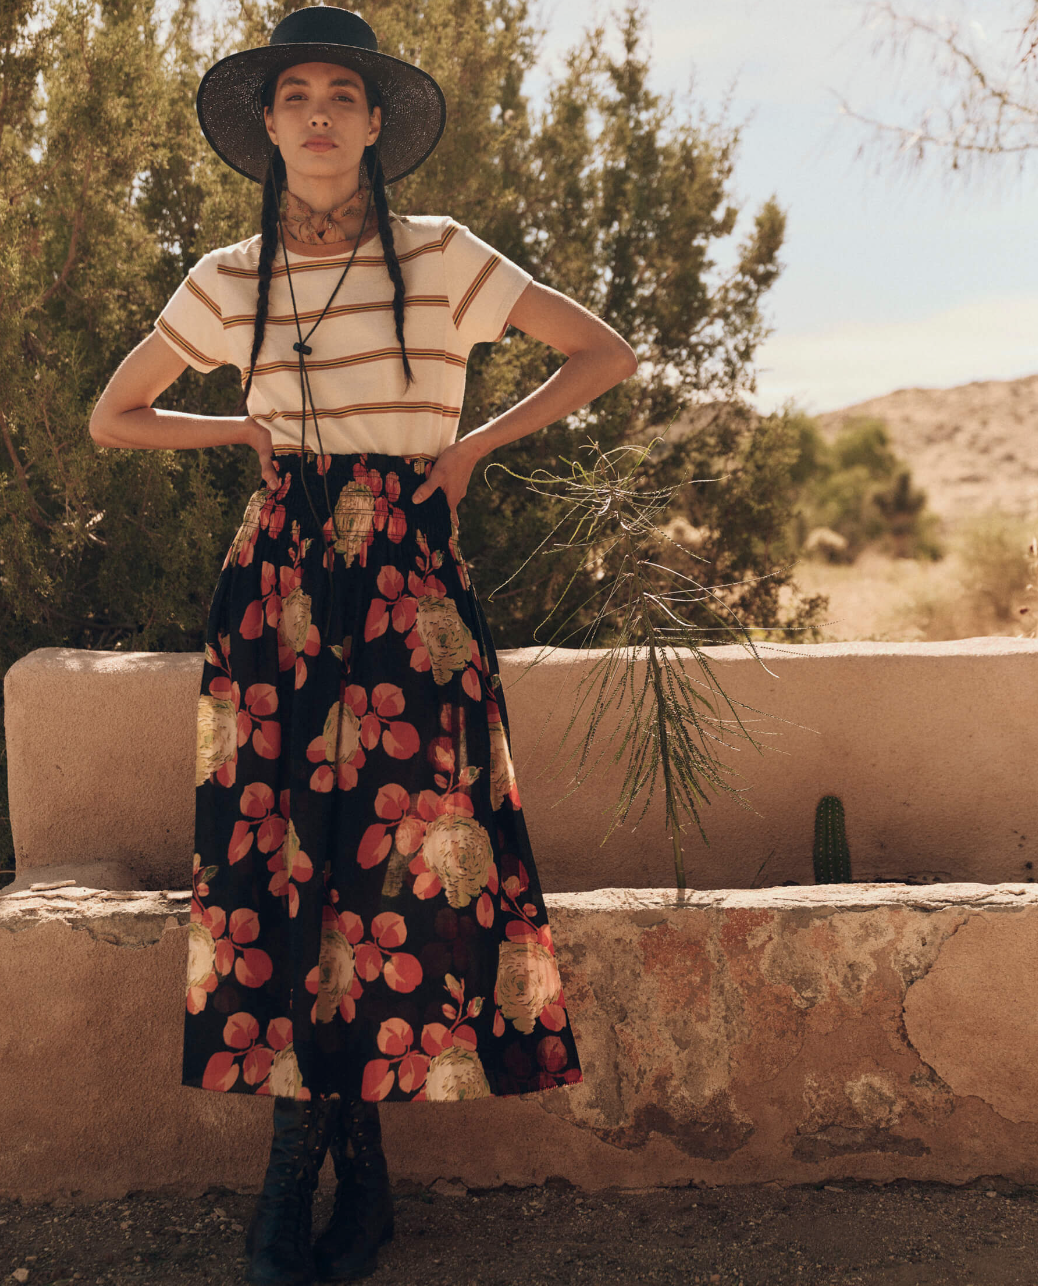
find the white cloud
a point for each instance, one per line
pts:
(989, 338)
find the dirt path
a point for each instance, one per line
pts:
(901, 1234)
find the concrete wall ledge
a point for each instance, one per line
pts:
(733, 1035)
(923, 743)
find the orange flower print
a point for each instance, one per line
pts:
(263, 609)
(528, 988)
(454, 546)
(456, 857)
(439, 639)
(211, 953)
(200, 878)
(216, 749)
(347, 962)
(290, 867)
(264, 512)
(459, 847)
(365, 505)
(266, 825)
(271, 1066)
(350, 728)
(447, 1069)
(261, 700)
(298, 636)
(201, 970)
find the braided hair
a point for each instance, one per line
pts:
(272, 188)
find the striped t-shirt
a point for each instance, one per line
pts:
(459, 292)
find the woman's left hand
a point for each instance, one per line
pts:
(451, 472)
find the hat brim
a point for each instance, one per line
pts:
(414, 111)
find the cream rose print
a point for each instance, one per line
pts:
(218, 945)
(365, 505)
(264, 512)
(349, 959)
(269, 1065)
(264, 823)
(216, 747)
(283, 606)
(217, 737)
(446, 1066)
(527, 982)
(298, 636)
(456, 849)
(420, 609)
(453, 544)
(450, 852)
(354, 726)
(502, 773)
(528, 988)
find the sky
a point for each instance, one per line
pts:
(893, 278)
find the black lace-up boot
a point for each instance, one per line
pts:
(278, 1240)
(362, 1219)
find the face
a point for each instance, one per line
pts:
(320, 120)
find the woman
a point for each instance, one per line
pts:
(367, 921)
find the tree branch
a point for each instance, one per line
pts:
(35, 514)
(77, 225)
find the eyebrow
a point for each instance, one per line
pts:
(339, 80)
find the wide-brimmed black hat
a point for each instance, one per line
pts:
(413, 108)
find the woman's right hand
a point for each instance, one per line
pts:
(258, 437)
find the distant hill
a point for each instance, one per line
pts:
(969, 447)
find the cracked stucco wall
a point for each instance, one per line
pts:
(731, 1036)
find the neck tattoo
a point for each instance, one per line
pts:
(342, 223)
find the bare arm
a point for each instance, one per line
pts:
(597, 356)
(598, 359)
(124, 415)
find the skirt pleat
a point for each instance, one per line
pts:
(366, 917)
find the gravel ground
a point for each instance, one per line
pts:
(899, 1234)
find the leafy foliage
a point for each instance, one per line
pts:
(857, 487)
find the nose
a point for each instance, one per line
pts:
(320, 117)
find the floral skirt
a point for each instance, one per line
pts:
(367, 919)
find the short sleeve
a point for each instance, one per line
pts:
(482, 285)
(192, 323)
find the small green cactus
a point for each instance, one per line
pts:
(832, 856)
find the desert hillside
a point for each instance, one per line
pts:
(969, 447)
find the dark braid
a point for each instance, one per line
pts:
(268, 249)
(377, 179)
(385, 232)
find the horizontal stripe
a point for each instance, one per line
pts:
(473, 290)
(358, 359)
(364, 408)
(341, 310)
(337, 261)
(177, 338)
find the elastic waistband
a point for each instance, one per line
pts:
(418, 461)
(356, 485)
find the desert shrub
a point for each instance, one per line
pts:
(996, 570)
(858, 488)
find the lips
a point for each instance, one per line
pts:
(319, 145)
